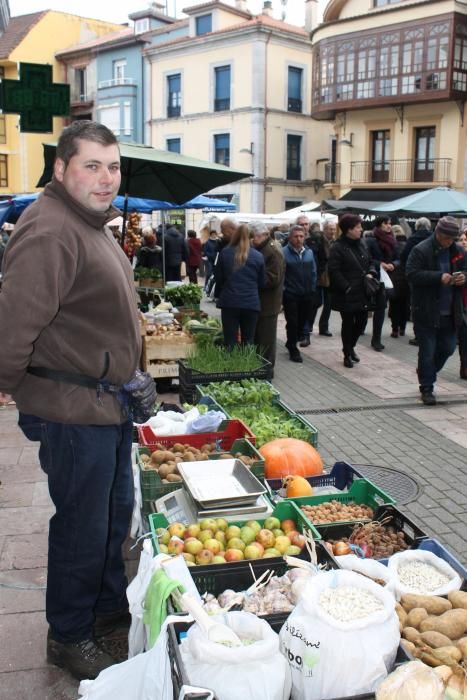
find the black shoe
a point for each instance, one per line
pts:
(413, 341)
(377, 345)
(110, 622)
(305, 341)
(428, 398)
(295, 355)
(348, 361)
(401, 332)
(354, 357)
(82, 659)
(326, 333)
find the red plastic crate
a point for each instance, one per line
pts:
(224, 439)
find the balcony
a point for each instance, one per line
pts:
(222, 104)
(173, 111)
(116, 81)
(332, 173)
(400, 171)
(294, 105)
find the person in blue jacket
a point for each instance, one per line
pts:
(239, 274)
(299, 289)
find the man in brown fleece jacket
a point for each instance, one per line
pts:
(68, 304)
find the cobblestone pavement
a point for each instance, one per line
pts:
(368, 415)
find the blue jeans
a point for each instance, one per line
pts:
(91, 485)
(435, 346)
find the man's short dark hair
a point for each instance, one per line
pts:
(84, 130)
(297, 227)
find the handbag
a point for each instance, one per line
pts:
(371, 286)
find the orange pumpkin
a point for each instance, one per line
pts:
(297, 486)
(286, 456)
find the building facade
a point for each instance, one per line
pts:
(391, 78)
(236, 91)
(35, 38)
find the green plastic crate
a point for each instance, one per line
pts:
(246, 448)
(152, 487)
(286, 510)
(362, 491)
(204, 391)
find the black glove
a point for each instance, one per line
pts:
(142, 395)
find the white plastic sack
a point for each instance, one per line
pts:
(207, 423)
(254, 672)
(331, 659)
(385, 279)
(369, 567)
(455, 582)
(412, 681)
(136, 528)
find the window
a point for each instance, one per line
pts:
(366, 69)
(173, 145)
(222, 89)
(110, 117)
(292, 203)
(294, 147)
(142, 25)
(203, 24)
(174, 95)
(80, 84)
(424, 154)
(222, 149)
(381, 3)
(294, 90)
(127, 119)
(2, 128)
(3, 170)
(118, 70)
(345, 72)
(381, 148)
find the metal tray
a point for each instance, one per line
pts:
(220, 482)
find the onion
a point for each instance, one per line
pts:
(341, 548)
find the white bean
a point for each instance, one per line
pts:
(421, 577)
(347, 603)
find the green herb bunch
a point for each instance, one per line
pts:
(184, 295)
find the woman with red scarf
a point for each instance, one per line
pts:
(383, 249)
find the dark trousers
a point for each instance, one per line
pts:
(353, 325)
(239, 320)
(435, 346)
(399, 312)
(462, 335)
(379, 314)
(172, 273)
(191, 272)
(297, 313)
(266, 337)
(325, 313)
(91, 485)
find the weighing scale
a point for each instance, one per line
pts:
(179, 506)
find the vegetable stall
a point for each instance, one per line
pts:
(312, 569)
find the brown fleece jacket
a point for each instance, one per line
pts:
(67, 303)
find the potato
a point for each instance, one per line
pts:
(452, 623)
(409, 647)
(178, 447)
(402, 615)
(189, 456)
(462, 645)
(166, 469)
(435, 639)
(458, 599)
(410, 633)
(449, 654)
(429, 659)
(433, 604)
(171, 478)
(145, 458)
(415, 616)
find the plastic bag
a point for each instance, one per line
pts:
(207, 423)
(412, 681)
(368, 567)
(455, 582)
(329, 658)
(136, 528)
(385, 279)
(253, 672)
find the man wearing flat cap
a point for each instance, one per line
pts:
(437, 272)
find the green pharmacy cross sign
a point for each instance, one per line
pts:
(35, 98)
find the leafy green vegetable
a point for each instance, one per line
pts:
(212, 358)
(270, 423)
(147, 273)
(246, 391)
(184, 295)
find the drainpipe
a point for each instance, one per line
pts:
(265, 125)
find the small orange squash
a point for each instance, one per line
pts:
(288, 456)
(296, 487)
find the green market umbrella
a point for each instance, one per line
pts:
(152, 174)
(435, 202)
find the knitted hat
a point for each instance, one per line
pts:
(448, 226)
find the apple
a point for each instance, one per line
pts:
(254, 524)
(292, 551)
(177, 530)
(163, 535)
(247, 534)
(236, 543)
(222, 524)
(205, 535)
(204, 557)
(213, 545)
(258, 546)
(288, 525)
(271, 552)
(282, 543)
(296, 539)
(218, 559)
(277, 532)
(192, 530)
(163, 549)
(220, 537)
(231, 532)
(208, 524)
(188, 557)
(190, 563)
(233, 555)
(252, 552)
(193, 546)
(265, 538)
(175, 545)
(272, 523)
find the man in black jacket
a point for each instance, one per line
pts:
(421, 233)
(437, 272)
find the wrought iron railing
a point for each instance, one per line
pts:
(405, 170)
